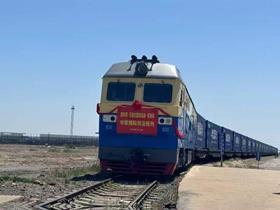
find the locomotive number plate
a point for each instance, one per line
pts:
(131, 121)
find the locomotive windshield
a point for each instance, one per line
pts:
(160, 93)
(120, 91)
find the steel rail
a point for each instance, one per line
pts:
(43, 206)
(141, 197)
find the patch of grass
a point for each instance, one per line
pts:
(54, 150)
(4, 178)
(15, 179)
(69, 150)
(69, 146)
(65, 149)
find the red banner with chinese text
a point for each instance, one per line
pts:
(131, 121)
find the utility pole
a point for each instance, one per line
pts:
(221, 140)
(72, 120)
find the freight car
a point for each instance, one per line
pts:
(148, 123)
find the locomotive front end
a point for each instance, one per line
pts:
(138, 118)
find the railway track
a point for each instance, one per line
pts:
(113, 193)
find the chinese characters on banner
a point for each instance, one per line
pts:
(131, 121)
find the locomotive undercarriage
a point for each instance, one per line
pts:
(138, 160)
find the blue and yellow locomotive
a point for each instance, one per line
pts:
(148, 123)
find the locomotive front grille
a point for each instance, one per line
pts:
(137, 167)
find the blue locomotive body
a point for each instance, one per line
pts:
(148, 123)
(136, 153)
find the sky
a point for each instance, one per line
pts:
(53, 55)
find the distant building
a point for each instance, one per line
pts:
(11, 134)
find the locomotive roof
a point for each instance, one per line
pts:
(159, 70)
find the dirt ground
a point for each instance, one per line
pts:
(33, 160)
(41, 172)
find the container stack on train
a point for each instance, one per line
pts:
(215, 138)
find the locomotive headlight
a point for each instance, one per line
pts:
(165, 120)
(109, 118)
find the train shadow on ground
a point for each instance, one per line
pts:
(211, 159)
(133, 179)
(100, 176)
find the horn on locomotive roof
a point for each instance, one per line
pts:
(133, 59)
(144, 59)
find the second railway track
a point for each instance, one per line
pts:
(114, 193)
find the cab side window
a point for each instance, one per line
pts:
(181, 98)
